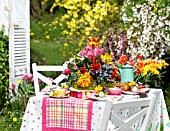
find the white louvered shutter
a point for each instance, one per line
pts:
(19, 39)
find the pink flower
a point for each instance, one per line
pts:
(32, 80)
(82, 53)
(75, 67)
(27, 76)
(90, 54)
(30, 76)
(99, 51)
(67, 71)
(88, 48)
(24, 77)
(13, 87)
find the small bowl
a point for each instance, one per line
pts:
(114, 91)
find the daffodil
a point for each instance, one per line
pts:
(14, 119)
(98, 89)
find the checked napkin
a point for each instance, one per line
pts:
(66, 115)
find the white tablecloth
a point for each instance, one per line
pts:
(32, 120)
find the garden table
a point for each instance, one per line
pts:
(40, 114)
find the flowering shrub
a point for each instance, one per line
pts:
(148, 24)
(92, 65)
(84, 18)
(116, 42)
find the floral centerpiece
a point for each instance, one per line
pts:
(91, 67)
(147, 71)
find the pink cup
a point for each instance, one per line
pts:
(79, 95)
(114, 91)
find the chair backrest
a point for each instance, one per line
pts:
(37, 75)
(144, 108)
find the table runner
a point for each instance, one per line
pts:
(66, 115)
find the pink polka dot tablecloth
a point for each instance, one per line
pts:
(32, 120)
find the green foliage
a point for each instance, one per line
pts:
(26, 88)
(4, 68)
(12, 114)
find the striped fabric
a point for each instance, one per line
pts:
(66, 115)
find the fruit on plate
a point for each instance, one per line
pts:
(134, 88)
(123, 86)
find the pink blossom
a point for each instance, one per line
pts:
(13, 87)
(24, 77)
(88, 48)
(27, 76)
(99, 51)
(90, 54)
(82, 53)
(67, 71)
(32, 80)
(30, 76)
(75, 67)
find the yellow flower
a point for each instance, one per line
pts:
(155, 9)
(9, 112)
(47, 36)
(19, 81)
(84, 80)
(32, 34)
(132, 83)
(14, 119)
(106, 58)
(65, 44)
(163, 63)
(155, 71)
(98, 89)
(75, 15)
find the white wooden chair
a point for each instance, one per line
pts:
(144, 114)
(37, 75)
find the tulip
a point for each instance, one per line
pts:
(67, 71)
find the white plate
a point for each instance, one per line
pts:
(140, 91)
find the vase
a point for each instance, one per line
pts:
(108, 85)
(90, 87)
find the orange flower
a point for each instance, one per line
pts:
(84, 80)
(130, 62)
(139, 57)
(93, 42)
(123, 59)
(115, 74)
(139, 64)
(95, 66)
(137, 71)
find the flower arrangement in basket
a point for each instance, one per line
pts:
(91, 67)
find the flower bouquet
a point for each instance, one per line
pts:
(91, 67)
